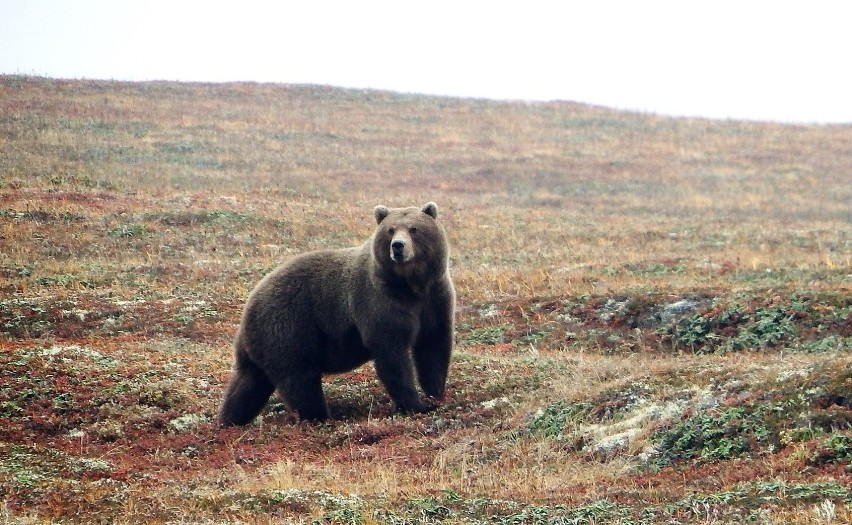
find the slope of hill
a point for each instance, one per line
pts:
(654, 323)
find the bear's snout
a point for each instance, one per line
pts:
(400, 250)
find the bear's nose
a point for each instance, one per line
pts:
(398, 246)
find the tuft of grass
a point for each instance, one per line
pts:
(759, 425)
(778, 323)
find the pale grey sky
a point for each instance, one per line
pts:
(749, 59)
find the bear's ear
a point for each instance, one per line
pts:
(430, 209)
(381, 212)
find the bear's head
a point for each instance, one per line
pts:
(410, 243)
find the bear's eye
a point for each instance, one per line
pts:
(391, 231)
(412, 231)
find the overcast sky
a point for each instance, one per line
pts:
(746, 59)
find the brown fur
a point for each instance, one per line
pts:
(390, 300)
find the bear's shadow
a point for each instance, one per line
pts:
(348, 411)
(354, 401)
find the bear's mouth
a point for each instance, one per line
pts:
(399, 258)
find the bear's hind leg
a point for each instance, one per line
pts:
(247, 394)
(304, 395)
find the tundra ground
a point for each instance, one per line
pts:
(654, 315)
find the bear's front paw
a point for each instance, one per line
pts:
(435, 391)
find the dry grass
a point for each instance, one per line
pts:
(654, 321)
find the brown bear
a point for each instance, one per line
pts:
(325, 312)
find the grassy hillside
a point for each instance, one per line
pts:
(654, 322)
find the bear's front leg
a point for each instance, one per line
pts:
(432, 360)
(388, 337)
(398, 378)
(394, 366)
(434, 344)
